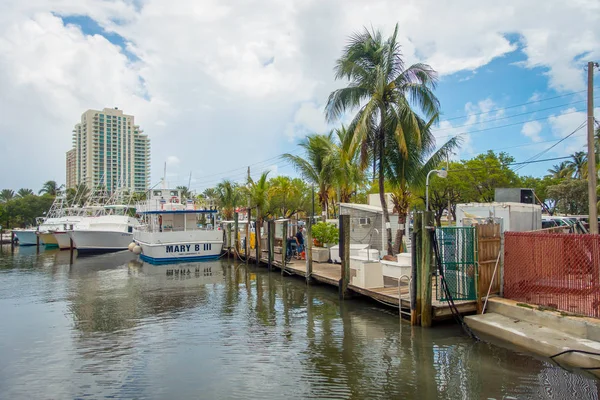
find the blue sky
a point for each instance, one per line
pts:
(218, 88)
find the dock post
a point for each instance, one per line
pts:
(344, 254)
(236, 217)
(415, 306)
(308, 251)
(71, 250)
(271, 242)
(12, 241)
(426, 257)
(37, 242)
(247, 249)
(283, 246)
(228, 240)
(257, 239)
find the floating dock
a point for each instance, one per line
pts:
(392, 296)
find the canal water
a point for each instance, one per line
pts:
(112, 327)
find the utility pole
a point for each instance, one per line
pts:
(591, 156)
(449, 215)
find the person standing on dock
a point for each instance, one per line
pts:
(300, 241)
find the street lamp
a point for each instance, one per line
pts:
(442, 173)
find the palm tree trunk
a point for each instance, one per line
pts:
(386, 214)
(400, 233)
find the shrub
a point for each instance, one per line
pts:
(325, 233)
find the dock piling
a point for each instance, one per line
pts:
(308, 250)
(415, 314)
(426, 260)
(344, 254)
(257, 240)
(271, 242)
(283, 245)
(236, 217)
(247, 249)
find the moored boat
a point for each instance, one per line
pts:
(26, 237)
(170, 232)
(104, 233)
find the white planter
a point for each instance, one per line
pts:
(320, 254)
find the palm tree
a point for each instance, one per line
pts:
(407, 172)
(578, 164)
(7, 195)
(23, 192)
(51, 187)
(384, 91)
(228, 197)
(560, 171)
(348, 174)
(185, 192)
(316, 166)
(258, 196)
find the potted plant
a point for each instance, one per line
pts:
(324, 235)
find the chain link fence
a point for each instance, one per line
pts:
(553, 270)
(457, 251)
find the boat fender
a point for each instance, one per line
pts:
(137, 250)
(131, 246)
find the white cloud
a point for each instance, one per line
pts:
(212, 80)
(564, 124)
(309, 118)
(173, 160)
(532, 130)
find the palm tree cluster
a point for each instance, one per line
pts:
(395, 108)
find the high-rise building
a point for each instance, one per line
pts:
(71, 169)
(109, 150)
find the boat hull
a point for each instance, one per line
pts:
(63, 239)
(26, 237)
(89, 241)
(175, 247)
(48, 239)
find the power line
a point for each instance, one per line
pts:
(517, 105)
(556, 144)
(504, 126)
(512, 116)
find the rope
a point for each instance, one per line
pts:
(591, 353)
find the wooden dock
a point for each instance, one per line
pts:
(391, 296)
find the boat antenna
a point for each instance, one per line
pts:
(164, 180)
(190, 181)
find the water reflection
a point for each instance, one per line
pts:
(112, 326)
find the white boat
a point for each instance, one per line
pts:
(26, 237)
(171, 233)
(104, 233)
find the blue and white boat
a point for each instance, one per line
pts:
(170, 231)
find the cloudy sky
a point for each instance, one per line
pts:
(220, 85)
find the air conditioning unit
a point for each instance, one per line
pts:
(364, 221)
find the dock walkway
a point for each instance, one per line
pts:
(392, 296)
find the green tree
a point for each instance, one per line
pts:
(347, 172)
(540, 188)
(407, 172)
(384, 91)
(570, 196)
(288, 196)
(24, 192)
(316, 166)
(258, 196)
(578, 164)
(7, 195)
(229, 197)
(185, 192)
(560, 171)
(51, 187)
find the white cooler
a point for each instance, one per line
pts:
(334, 252)
(368, 254)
